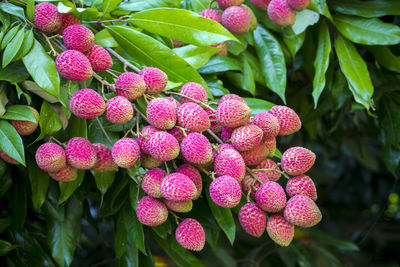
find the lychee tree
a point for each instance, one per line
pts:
(142, 133)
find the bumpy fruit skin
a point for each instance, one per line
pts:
(50, 157)
(271, 145)
(262, 4)
(178, 187)
(148, 162)
(256, 155)
(173, 101)
(233, 113)
(193, 175)
(87, 104)
(47, 18)
(78, 37)
(65, 174)
(67, 19)
(297, 160)
(252, 17)
(145, 133)
(125, 152)
(119, 110)
(236, 19)
(25, 128)
(223, 4)
(271, 197)
(281, 13)
(181, 207)
(161, 113)
(151, 211)
(74, 66)
(194, 91)
(193, 117)
(7, 158)
(246, 137)
(156, 80)
(230, 162)
(299, 4)
(151, 182)
(99, 58)
(289, 121)
(248, 182)
(225, 191)
(80, 153)
(219, 148)
(270, 175)
(178, 133)
(163, 146)
(226, 133)
(104, 163)
(253, 219)
(214, 125)
(231, 97)
(196, 149)
(212, 14)
(301, 185)
(302, 211)
(130, 85)
(268, 123)
(223, 49)
(190, 235)
(280, 230)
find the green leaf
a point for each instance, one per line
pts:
(321, 7)
(199, 5)
(14, 73)
(39, 184)
(368, 9)
(150, 52)
(133, 227)
(182, 25)
(272, 61)
(294, 42)
(330, 240)
(28, 43)
(223, 217)
(11, 142)
(19, 113)
(164, 229)
(386, 58)
(355, 71)
(391, 158)
(110, 5)
(304, 19)
(367, 31)
(139, 5)
(196, 56)
(68, 188)
(18, 202)
(389, 120)
(36, 89)
(321, 62)
(5, 223)
(220, 63)
(49, 121)
(77, 128)
(3, 99)
(42, 68)
(247, 79)
(13, 47)
(9, 36)
(104, 180)
(30, 9)
(6, 247)
(176, 252)
(12, 10)
(258, 105)
(104, 39)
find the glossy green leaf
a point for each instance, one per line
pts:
(390, 120)
(9, 36)
(220, 63)
(367, 31)
(104, 180)
(12, 9)
(77, 127)
(110, 5)
(49, 121)
(19, 202)
(30, 9)
(321, 62)
(355, 71)
(304, 19)
(294, 42)
(5, 19)
(391, 158)
(104, 39)
(42, 69)
(133, 227)
(368, 9)
(11, 142)
(199, 5)
(330, 240)
(258, 105)
(36, 89)
(39, 184)
(3, 99)
(14, 73)
(19, 113)
(68, 188)
(6, 247)
(272, 61)
(152, 53)
(164, 229)
(386, 58)
(28, 43)
(321, 7)
(247, 80)
(139, 5)
(182, 25)
(196, 56)
(13, 47)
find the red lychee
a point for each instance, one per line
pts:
(214, 125)
(246, 137)
(262, 4)
(178, 133)
(236, 19)
(99, 58)
(196, 149)
(178, 187)
(230, 162)
(271, 145)
(212, 14)
(252, 17)
(253, 219)
(269, 164)
(231, 97)
(67, 19)
(193, 117)
(233, 113)
(190, 235)
(148, 162)
(104, 163)
(151, 211)
(87, 104)
(163, 146)
(65, 174)
(249, 183)
(302, 211)
(161, 113)
(223, 4)
(74, 66)
(194, 175)
(194, 91)
(301, 185)
(145, 133)
(297, 160)
(80, 153)
(226, 133)
(280, 230)
(289, 121)
(181, 207)
(156, 80)
(7, 158)
(151, 182)
(281, 13)
(50, 157)
(130, 85)
(125, 152)
(225, 191)
(47, 18)
(119, 110)
(299, 4)
(78, 37)
(268, 123)
(25, 128)
(256, 155)
(271, 197)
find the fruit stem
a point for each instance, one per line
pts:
(52, 138)
(52, 50)
(192, 99)
(182, 129)
(123, 60)
(112, 73)
(104, 82)
(140, 113)
(211, 2)
(175, 216)
(215, 136)
(166, 168)
(253, 175)
(274, 170)
(104, 131)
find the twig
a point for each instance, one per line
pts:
(140, 113)
(103, 21)
(112, 73)
(52, 138)
(104, 131)
(253, 175)
(215, 136)
(190, 98)
(123, 60)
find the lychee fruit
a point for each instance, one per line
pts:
(99, 58)
(151, 211)
(230, 162)
(271, 197)
(105, 162)
(212, 14)
(223, 49)
(196, 149)
(193, 117)
(289, 121)
(178, 187)
(163, 146)
(173, 101)
(249, 183)
(225, 191)
(65, 174)
(280, 230)
(194, 91)
(231, 97)
(236, 19)
(226, 133)
(67, 19)
(246, 137)
(7, 158)
(256, 155)
(50, 157)
(130, 85)
(253, 219)
(156, 80)
(87, 104)
(214, 125)
(262, 4)
(151, 182)
(268, 123)
(221, 147)
(148, 162)
(145, 133)
(181, 207)
(271, 145)
(47, 18)
(252, 17)
(302, 211)
(190, 235)
(178, 133)
(299, 4)
(161, 113)
(297, 160)
(78, 37)
(176, 43)
(74, 66)
(80, 153)
(119, 110)
(25, 128)
(223, 4)
(125, 152)
(269, 164)
(194, 175)
(301, 185)
(233, 113)
(281, 13)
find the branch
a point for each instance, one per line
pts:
(123, 60)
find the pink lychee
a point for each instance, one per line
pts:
(271, 145)
(230, 162)
(178, 133)
(193, 117)
(262, 4)
(223, 4)
(87, 104)
(236, 19)
(151, 182)
(271, 197)
(50, 157)
(221, 147)
(80, 153)
(233, 113)
(65, 174)
(78, 37)
(194, 175)
(163, 146)
(289, 121)
(173, 101)
(181, 207)
(223, 49)
(302, 211)
(299, 4)
(231, 97)
(151, 211)
(256, 155)
(74, 66)
(246, 137)
(281, 13)
(119, 110)
(280, 230)
(67, 19)
(7, 158)
(225, 191)
(269, 164)
(249, 183)
(156, 80)
(297, 160)
(105, 162)
(214, 125)
(145, 133)
(125, 152)
(99, 58)
(130, 85)
(25, 128)
(253, 219)
(212, 14)
(268, 123)
(226, 133)
(194, 91)
(252, 17)
(47, 18)
(196, 149)
(161, 113)
(178, 187)
(301, 185)
(190, 235)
